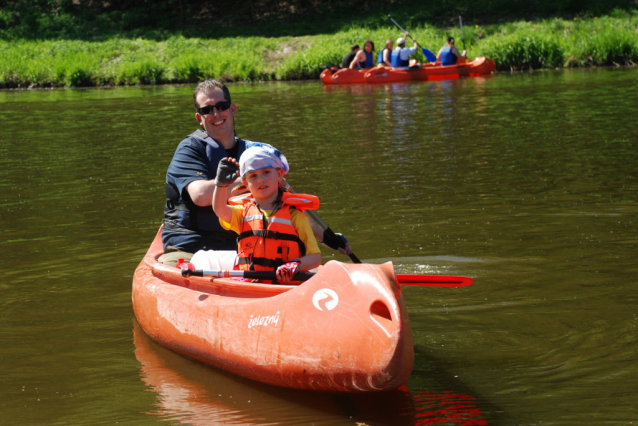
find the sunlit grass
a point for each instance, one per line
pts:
(597, 41)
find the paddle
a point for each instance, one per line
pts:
(402, 279)
(256, 275)
(462, 32)
(429, 55)
(434, 280)
(328, 234)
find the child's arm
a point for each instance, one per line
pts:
(227, 172)
(310, 261)
(220, 204)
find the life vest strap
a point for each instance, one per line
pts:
(269, 234)
(261, 261)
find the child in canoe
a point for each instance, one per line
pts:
(273, 233)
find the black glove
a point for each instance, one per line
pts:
(227, 172)
(334, 240)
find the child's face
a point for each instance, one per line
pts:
(263, 183)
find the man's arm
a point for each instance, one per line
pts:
(201, 191)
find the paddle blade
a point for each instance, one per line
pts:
(434, 280)
(429, 55)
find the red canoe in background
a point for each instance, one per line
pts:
(344, 76)
(346, 329)
(430, 72)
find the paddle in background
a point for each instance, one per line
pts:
(462, 33)
(429, 55)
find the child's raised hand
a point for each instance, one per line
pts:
(227, 172)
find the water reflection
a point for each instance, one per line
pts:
(526, 182)
(189, 392)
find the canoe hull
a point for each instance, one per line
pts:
(345, 330)
(326, 76)
(349, 76)
(431, 72)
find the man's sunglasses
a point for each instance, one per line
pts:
(208, 109)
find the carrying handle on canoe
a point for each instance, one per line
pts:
(254, 275)
(402, 279)
(327, 232)
(429, 55)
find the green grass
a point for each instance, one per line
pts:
(555, 43)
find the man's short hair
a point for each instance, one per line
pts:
(354, 47)
(207, 86)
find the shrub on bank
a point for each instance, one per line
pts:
(514, 46)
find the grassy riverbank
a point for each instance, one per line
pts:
(553, 43)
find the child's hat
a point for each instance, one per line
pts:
(260, 155)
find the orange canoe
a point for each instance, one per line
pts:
(344, 330)
(430, 72)
(326, 76)
(349, 76)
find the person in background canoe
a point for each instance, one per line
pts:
(287, 244)
(354, 49)
(364, 58)
(385, 55)
(449, 54)
(401, 55)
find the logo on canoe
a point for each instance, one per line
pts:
(263, 320)
(325, 299)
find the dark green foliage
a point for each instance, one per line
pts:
(152, 19)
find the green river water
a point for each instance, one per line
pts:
(528, 183)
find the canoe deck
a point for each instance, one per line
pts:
(344, 330)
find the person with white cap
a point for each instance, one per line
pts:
(401, 55)
(273, 234)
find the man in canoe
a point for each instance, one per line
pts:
(272, 233)
(449, 54)
(190, 224)
(401, 55)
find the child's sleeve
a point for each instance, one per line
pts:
(302, 225)
(235, 221)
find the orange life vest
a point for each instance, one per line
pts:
(265, 247)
